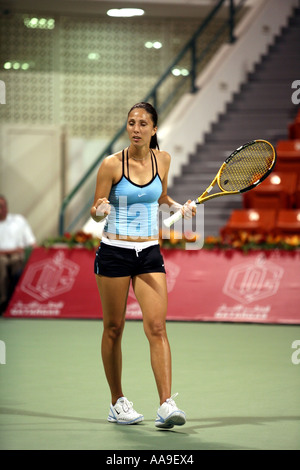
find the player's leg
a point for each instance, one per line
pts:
(151, 293)
(113, 293)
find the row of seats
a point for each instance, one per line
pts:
(281, 190)
(288, 156)
(274, 206)
(288, 151)
(283, 222)
(294, 128)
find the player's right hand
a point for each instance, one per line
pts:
(102, 207)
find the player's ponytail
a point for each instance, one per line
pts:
(153, 142)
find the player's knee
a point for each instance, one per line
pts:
(156, 329)
(114, 330)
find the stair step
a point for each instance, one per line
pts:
(262, 109)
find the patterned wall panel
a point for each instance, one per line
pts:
(85, 73)
(29, 80)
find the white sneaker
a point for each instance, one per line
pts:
(123, 413)
(168, 415)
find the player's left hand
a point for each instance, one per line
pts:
(188, 209)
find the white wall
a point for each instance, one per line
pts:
(194, 114)
(30, 174)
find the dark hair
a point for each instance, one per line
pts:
(152, 111)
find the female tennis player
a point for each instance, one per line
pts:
(131, 184)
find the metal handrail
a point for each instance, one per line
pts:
(152, 96)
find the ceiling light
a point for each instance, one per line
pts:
(275, 179)
(43, 23)
(31, 22)
(125, 12)
(154, 45)
(177, 72)
(39, 23)
(254, 216)
(185, 72)
(51, 23)
(16, 65)
(93, 56)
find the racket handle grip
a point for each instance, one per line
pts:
(177, 216)
(173, 218)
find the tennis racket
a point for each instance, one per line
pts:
(243, 170)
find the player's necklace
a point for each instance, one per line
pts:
(137, 159)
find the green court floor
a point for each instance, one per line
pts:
(236, 382)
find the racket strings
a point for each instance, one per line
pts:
(246, 166)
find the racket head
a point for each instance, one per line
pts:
(247, 167)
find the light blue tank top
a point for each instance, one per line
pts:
(134, 207)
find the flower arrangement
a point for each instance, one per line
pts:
(172, 239)
(169, 240)
(246, 241)
(72, 240)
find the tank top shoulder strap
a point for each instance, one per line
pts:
(153, 159)
(123, 162)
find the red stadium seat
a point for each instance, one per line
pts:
(288, 148)
(288, 222)
(294, 128)
(297, 195)
(288, 156)
(276, 192)
(255, 221)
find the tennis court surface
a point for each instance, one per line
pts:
(238, 384)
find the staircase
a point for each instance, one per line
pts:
(262, 109)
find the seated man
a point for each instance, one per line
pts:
(16, 237)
